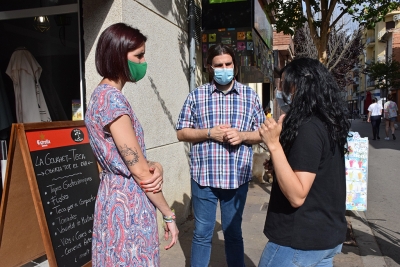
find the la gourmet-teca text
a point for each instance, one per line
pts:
(49, 160)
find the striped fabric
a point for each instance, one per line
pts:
(215, 164)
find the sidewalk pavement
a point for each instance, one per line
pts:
(366, 253)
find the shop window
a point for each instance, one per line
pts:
(50, 31)
(7, 5)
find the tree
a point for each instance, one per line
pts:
(386, 74)
(321, 18)
(343, 50)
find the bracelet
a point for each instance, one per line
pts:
(169, 219)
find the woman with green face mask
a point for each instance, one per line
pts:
(130, 185)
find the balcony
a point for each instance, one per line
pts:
(370, 42)
(381, 59)
(380, 34)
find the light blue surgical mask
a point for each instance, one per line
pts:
(223, 76)
(285, 106)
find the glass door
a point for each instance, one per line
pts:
(51, 31)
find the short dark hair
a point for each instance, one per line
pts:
(112, 49)
(217, 50)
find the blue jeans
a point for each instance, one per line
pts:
(280, 256)
(205, 200)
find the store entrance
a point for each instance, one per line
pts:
(50, 33)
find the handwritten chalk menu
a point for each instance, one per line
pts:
(67, 177)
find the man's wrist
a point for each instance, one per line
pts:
(209, 133)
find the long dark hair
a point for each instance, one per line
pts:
(316, 94)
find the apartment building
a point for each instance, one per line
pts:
(381, 44)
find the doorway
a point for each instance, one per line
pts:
(50, 31)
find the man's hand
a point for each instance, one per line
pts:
(218, 132)
(233, 136)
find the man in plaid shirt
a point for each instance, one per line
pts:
(221, 120)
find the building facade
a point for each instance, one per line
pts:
(62, 36)
(381, 44)
(283, 54)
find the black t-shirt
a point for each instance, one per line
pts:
(320, 222)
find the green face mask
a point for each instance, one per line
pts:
(138, 70)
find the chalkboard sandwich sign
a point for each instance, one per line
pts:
(63, 179)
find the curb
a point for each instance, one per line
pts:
(370, 252)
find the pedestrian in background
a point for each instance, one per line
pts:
(390, 112)
(374, 116)
(125, 231)
(221, 120)
(306, 224)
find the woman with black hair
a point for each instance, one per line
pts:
(306, 223)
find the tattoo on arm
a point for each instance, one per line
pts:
(127, 152)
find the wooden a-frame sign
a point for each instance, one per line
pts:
(25, 233)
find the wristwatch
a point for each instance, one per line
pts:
(209, 133)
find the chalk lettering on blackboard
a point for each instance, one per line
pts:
(48, 160)
(84, 254)
(87, 241)
(79, 235)
(87, 201)
(50, 171)
(67, 176)
(56, 200)
(69, 250)
(70, 218)
(73, 183)
(86, 163)
(65, 241)
(70, 226)
(77, 156)
(54, 189)
(87, 219)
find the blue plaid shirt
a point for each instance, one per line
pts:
(215, 164)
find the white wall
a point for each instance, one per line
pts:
(159, 96)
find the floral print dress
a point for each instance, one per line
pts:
(124, 226)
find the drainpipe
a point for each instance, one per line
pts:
(192, 68)
(192, 47)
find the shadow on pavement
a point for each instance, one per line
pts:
(264, 187)
(218, 247)
(391, 244)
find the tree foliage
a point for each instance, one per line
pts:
(343, 51)
(321, 17)
(386, 74)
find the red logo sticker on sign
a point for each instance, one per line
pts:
(48, 139)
